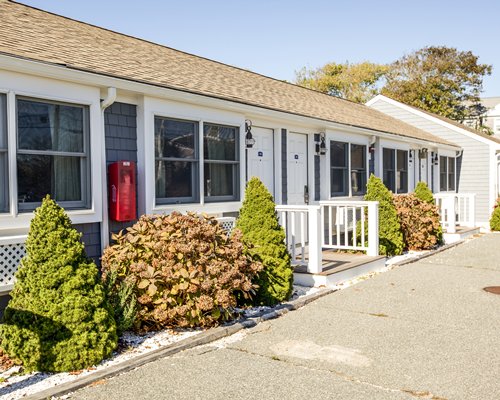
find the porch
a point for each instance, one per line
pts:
(332, 242)
(457, 215)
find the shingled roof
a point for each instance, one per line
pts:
(33, 34)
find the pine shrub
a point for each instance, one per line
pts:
(419, 222)
(423, 192)
(390, 234)
(122, 300)
(259, 223)
(495, 217)
(58, 318)
(184, 269)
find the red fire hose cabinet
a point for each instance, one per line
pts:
(122, 191)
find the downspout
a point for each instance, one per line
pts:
(105, 103)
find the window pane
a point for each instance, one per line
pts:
(402, 163)
(175, 179)
(388, 158)
(45, 126)
(338, 154)
(358, 156)
(219, 142)
(39, 175)
(451, 173)
(338, 181)
(220, 179)
(175, 138)
(389, 180)
(402, 182)
(4, 181)
(358, 182)
(443, 174)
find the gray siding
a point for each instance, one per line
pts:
(473, 167)
(91, 238)
(284, 174)
(120, 126)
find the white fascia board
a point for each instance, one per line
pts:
(428, 117)
(38, 68)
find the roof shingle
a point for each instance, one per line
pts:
(42, 36)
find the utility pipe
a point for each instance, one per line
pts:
(105, 103)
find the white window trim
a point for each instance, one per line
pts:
(17, 85)
(396, 149)
(349, 169)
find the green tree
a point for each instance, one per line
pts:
(259, 224)
(390, 235)
(495, 217)
(355, 82)
(423, 192)
(439, 79)
(58, 318)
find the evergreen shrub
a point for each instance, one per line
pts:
(58, 318)
(390, 234)
(419, 222)
(423, 192)
(495, 217)
(184, 269)
(258, 221)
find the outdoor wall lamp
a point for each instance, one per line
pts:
(435, 158)
(321, 146)
(249, 140)
(410, 156)
(422, 153)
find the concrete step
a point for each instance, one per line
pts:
(462, 232)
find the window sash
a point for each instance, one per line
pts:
(339, 168)
(447, 174)
(192, 160)
(57, 158)
(358, 174)
(4, 162)
(389, 168)
(402, 171)
(224, 155)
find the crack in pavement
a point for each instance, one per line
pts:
(344, 376)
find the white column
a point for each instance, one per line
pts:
(315, 258)
(373, 233)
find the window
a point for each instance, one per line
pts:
(446, 174)
(4, 182)
(347, 160)
(401, 171)
(358, 169)
(338, 169)
(395, 170)
(221, 165)
(176, 161)
(52, 155)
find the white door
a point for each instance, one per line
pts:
(297, 167)
(261, 157)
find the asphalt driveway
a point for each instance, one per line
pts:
(425, 330)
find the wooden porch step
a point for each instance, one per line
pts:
(462, 232)
(339, 267)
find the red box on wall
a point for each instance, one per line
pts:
(122, 196)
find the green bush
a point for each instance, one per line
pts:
(184, 269)
(122, 300)
(390, 234)
(259, 223)
(495, 217)
(419, 222)
(423, 192)
(58, 318)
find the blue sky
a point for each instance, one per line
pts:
(278, 37)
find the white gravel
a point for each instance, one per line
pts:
(16, 385)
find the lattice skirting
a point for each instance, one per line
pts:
(10, 257)
(227, 223)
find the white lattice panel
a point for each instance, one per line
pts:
(10, 257)
(227, 223)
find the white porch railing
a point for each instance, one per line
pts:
(351, 225)
(456, 209)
